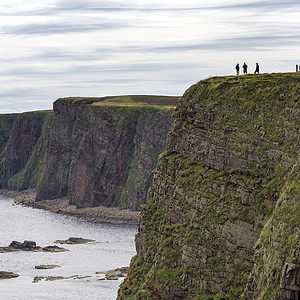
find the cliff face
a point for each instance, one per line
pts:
(276, 272)
(103, 155)
(95, 155)
(231, 163)
(6, 124)
(24, 134)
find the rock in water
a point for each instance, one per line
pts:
(46, 267)
(30, 246)
(74, 240)
(26, 245)
(54, 249)
(8, 275)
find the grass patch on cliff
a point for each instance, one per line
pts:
(6, 125)
(161, 102)
(278, 246)
(256, 105)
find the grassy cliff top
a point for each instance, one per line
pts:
(264, 78)
(255, 86)
(126, 100)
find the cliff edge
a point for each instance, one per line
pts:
(222, 217)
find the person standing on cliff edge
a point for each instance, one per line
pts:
(245, 67)
(237, 67)
(256, 69)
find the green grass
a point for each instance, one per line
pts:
(161, 102)
(139, 100)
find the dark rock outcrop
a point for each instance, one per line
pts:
(8, 275)
(74, 240)
(30, 246)
(46, 267)
(227, 182)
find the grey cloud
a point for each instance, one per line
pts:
(91, 5)
(59, 28)
(67, 6)
(256, 42)
(266, 5)
(17, 92)
(248, 42)
(30, 72)
(144, 67)
(57, 55)
(115, 6)
(110, 70)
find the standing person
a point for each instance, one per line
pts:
(256, 69)
(237, 67)
(245, 67)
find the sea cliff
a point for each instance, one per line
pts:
(94, 151)
(222, 217)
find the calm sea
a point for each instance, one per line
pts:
(113, 248)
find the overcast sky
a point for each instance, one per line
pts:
(60, 48)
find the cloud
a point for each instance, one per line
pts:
(60, 27)
(265, 5)
(257, 42)
(65, 5)
(53, 8)
(164, 6)
(18, 92)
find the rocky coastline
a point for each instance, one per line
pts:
(62, 206)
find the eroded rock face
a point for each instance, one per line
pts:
(290, 284)
(25, 133)
(231, 153)
(276, 273)
(6, 124)
(94, 155)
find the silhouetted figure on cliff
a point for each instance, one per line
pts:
(237, 68)
(245, 67)
(256, 69)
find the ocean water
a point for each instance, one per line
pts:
(113, 248)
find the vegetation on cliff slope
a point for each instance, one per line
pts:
(6, 124)
(234, 143)
(277, 252)
(25, 133)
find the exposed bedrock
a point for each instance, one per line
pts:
(94, 155)
(222, 217)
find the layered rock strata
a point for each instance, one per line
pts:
(227, 182)
(94, 155)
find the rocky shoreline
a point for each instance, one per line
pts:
(61, 205)
(31, 246)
